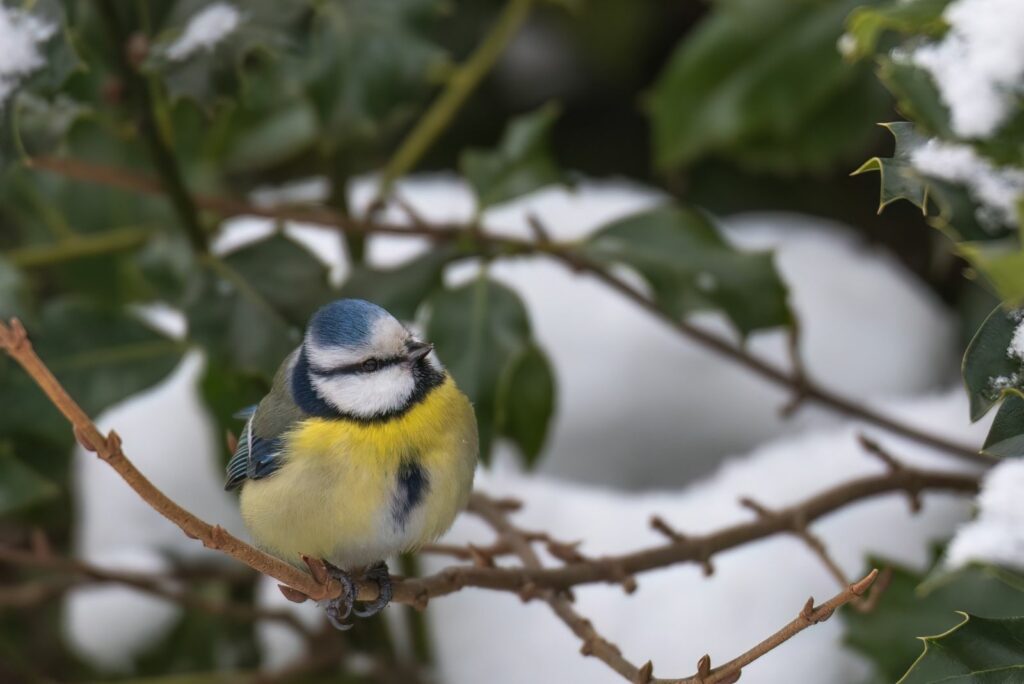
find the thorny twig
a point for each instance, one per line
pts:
(566, 253)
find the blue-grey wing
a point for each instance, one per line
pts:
(255, 457)
(258, 453)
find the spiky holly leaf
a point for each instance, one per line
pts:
(914, 604)
(520, 164)
(690, 267)
(899, 178)
(977, 651)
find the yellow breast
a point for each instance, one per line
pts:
(337, 495)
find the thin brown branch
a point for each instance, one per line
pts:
(809, 615)
(566, 253)
(76, 572)
(813, 541)
(593, 643)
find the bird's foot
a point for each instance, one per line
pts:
(339, 609)
(378, 572)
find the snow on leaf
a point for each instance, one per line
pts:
(205, 30)
(979, 65)
(21, 35)
(997, 189)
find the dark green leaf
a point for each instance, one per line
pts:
(20, 486)
(989, 368)
(100, 356)
(13, 292)
(866, 25)
(899, 178)
(527, 402)
(917, 96)
(753, 78)
(520, 164)
(910, 607)
(481, 331)
(402, 289)
(251, 307)
(690, 267)
(1006, 436)
(977, 651)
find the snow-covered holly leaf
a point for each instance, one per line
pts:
(690, 267)
(914, 604)
(528, 402)
(1006, 436)
(866, 25)
(520, 164)
(753, 81)
(899, 179)
(249, 308)
(482, 332)
(977, 651)
(994, 361)
(200, 49)
(401, 289)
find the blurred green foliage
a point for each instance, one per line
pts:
(734, 105)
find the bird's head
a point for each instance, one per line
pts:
(362, 362)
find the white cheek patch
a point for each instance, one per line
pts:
(367, 394)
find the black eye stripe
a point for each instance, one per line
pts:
(357, 368)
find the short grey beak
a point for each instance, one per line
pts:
(417, 350)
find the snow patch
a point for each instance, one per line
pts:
(997, 534)
(21, 34)
(1016, 348)
(978, 66)
(205, 30)
(996, 188)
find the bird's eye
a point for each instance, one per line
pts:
(370, 365)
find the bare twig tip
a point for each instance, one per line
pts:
(858, 588)
(807, 612)
(645, 673)
(704, 666)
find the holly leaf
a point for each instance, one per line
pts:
(482, 333)
(977, 651)
(913, 605)
(402, 289)
(249, 309)
(754, 80)
(899, 179)
(917, 96)
(21, 486)
(528, 402)
(993, 366)
(690, 267)
(101, 355)
(520, 164)
(1002, 264)
(1006, 436)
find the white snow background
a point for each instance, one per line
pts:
(664, 428)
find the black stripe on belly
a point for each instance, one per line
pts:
(412, 486)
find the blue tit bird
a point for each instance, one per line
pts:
(363, 448)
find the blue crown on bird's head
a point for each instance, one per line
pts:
(345, 323)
